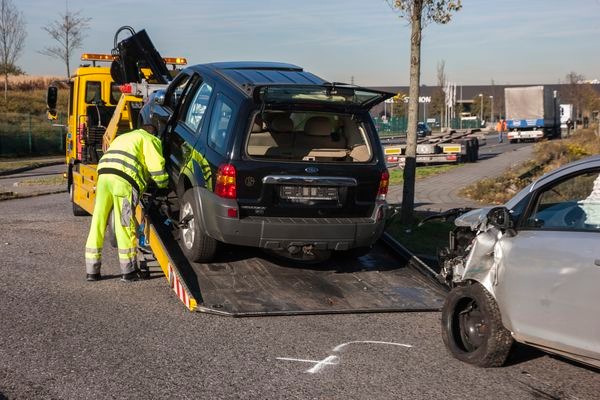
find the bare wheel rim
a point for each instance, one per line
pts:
(188, 234)
(473, 326)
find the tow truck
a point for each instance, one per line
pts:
(105, 102)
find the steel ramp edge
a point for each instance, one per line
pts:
(275, 296)
(167, 264)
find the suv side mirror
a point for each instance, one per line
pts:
(159, 97)
(499, 217)
(51, 99)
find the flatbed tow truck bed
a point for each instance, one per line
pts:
(249, 282)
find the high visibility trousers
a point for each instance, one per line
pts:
(116, 194)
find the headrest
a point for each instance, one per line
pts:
(318, 126)
(281, 123)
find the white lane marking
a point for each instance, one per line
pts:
(319, 365)
(334, 360)
(327, 361)
(302, 360)
(340, 346)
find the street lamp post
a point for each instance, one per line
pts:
(481, 109)
(492, 116)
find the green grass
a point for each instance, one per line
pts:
(47, 180)
(422, 240)
(396, 175)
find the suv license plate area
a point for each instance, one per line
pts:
(301, 194)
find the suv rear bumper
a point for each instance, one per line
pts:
(278, 233)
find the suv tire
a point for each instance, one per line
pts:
(472, 327)
(196, 245)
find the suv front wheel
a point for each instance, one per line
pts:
(196, 245)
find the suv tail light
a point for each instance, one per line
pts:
(384, 183)
(225, 186)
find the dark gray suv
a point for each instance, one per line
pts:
(271, 156)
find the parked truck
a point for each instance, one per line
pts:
(531, 113)
(567, 117)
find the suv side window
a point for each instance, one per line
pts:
(572, 204)
(197, 107)
(221, 124)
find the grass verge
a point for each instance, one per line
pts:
(547, 156)
(46, 180)
(425, 240)
(396, 175)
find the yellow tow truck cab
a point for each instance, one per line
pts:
(99, 109)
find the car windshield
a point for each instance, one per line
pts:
(309, 136)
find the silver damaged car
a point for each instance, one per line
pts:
(528, 271)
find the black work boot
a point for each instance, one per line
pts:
(130, 277)
(92, 277)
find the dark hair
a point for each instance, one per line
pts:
(150, 129)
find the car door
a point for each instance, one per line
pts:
(549, 272)
(189, 124)
(173, 143)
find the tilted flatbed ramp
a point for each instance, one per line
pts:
(248, 282)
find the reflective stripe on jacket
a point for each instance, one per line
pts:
(137, 157)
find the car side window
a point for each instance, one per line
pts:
(197, 107)
(221, 124)
(572, 204)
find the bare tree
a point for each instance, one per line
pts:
(437, 101)
(12, 40)
(69, 31)
(419, 13)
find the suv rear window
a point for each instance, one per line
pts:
(309, 136)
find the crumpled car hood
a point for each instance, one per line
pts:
(473, 219)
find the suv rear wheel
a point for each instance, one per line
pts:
(196, 245)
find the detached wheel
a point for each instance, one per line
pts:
(196, 245)
(77, 211)
(472, 327)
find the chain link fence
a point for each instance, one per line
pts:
(393, 126)
(31, 135)
(397, 126)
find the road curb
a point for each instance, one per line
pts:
(18, 196)
(28, 168)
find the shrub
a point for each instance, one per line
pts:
(547, 156)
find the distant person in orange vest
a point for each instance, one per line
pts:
(500, 128)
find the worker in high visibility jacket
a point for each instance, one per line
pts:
(123, 174)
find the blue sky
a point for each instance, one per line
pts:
(509, 41)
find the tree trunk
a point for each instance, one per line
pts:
(410, 166)
(5, 87)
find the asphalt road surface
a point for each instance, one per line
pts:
(65, 338)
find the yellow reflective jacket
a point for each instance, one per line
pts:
(137, 157)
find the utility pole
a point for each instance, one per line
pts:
(492, 116)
